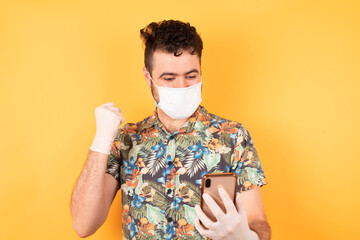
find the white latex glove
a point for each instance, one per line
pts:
(230, 225)
(108, 120)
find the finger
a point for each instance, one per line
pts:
(121, 118)
(113, 108)
(204, 219)
(239, 205)
(228, 202)
(114, 111)
(215, 209)
(202, 230)
(107, 104)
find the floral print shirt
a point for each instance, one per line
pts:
(160, 172)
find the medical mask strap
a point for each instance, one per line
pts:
(157, 88)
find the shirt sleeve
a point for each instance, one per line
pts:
(246, 163)
(114, 159)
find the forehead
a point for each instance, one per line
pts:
(167, 62)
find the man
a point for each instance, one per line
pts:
(158, 162)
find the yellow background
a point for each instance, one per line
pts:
(287, 70)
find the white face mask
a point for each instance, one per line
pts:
(179, 103)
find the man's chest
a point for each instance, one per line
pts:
(175, 164)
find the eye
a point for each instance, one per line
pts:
(169, 79)
(191, 77)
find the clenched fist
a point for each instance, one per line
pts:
(108, 120)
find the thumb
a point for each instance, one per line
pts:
(241, 211)
(239, 205)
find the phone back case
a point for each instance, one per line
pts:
(228, 181)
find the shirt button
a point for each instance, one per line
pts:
(169, 191)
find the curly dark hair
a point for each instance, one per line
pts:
(172, 36)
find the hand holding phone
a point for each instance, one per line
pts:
(229, 220)
(211, 182)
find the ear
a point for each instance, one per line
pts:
(147, 76)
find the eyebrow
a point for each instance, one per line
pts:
(175, 74)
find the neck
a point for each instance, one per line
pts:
(170, 124)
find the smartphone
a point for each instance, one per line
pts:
(211, 182)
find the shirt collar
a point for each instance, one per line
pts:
(200, 116)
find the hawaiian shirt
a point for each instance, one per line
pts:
(160, 172)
